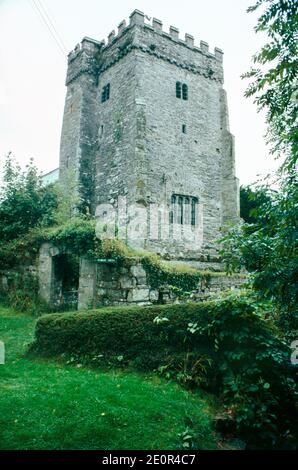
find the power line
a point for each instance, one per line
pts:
(44, 19)
(45, 22)
(51, 21)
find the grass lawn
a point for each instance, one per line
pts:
(49, 405)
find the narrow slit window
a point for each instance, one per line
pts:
(180, 210)
(184, 128)
(193, 211)
(105, 94)
(185, 91)
(186, 210)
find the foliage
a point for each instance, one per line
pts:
(24, 203)
(225, 346)
(76, 236)
(161, 273)
(22, 294)
(268, 247)
(250, 201)
(25, 207)
(50, 405)
(269, 250)
(274, 82)
(68, 197)
(20, 251)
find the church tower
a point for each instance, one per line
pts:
(146, 122)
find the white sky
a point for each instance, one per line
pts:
(32, 69)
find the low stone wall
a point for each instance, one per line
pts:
(129, 284)
(125, 284)
(8, 276)
(106, 282)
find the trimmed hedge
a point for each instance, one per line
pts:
(122, 331)
(223, 345)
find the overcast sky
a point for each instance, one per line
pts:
(33, 69)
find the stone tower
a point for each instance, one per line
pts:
(146, 130)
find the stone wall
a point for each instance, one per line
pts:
(129, 284)
(106, 282)
(8, 276)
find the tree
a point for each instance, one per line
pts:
(24, 202)
(275, 82)
(268, 247)
(250, 201)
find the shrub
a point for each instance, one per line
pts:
(225, 346)
(22, 294)
(129, 332)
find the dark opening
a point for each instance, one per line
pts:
(184, 91)
(178, 89)
(67, 275)
(105, 94)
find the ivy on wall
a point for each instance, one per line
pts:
(78, 237)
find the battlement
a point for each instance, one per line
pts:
(139, 19)
(145, 35)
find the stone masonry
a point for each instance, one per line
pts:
(106, 282)
(146, 119)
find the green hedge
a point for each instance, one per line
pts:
(122, 331)
(223, 345)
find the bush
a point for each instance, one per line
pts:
(119, 331)
(225, 346)
(22, 294)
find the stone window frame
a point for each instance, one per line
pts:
(183, 209)
(181, 91)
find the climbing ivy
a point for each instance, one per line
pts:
(161, 273)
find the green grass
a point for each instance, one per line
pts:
(49, 405)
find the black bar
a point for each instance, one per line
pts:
(136, 458)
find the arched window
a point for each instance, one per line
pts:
(178, 89)
(184, 91)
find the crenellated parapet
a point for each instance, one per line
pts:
(137, 18)
(84, 59)
(93, 57)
